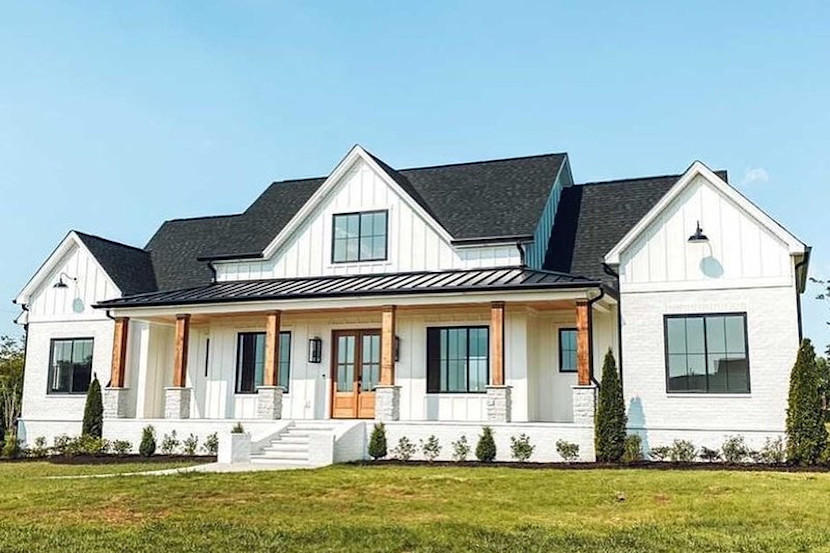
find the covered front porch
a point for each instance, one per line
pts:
(466, 358)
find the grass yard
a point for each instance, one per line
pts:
(436, 509)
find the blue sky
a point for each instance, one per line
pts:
(117, 116)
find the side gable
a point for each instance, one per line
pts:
(87, 283)
(794, 245)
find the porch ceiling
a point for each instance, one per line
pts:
(505, 279)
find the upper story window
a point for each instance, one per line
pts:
(70, 365)
(707, 353)
(250, 361)
(360, 236)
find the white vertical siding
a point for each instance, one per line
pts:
(413, 244)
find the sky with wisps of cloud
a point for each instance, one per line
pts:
(115, 116)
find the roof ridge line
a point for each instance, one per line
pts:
(202, 217)
(483, 161)
(613, 181)
(122, 244)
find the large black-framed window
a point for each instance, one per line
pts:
(707, 353)
(250, 361)
(567, 350)
(458, 359)
(360, 236)
(70, 365)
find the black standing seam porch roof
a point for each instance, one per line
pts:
(431, 282)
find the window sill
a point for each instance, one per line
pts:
(64, 394)
(248, 394)
(707, 395)
(482, 393)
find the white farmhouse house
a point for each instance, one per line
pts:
(436, 299)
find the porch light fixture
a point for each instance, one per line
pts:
(698, 237)
(60, 284)
(315, 350)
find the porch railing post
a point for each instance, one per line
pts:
(177, 397)
(269, 395)
(115, 396)
(499, 404)
(387, 394)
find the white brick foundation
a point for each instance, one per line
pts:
(177, 403)
(499, 403)
(269, 402)
(116, 403)
(584, 404)
(387, 403)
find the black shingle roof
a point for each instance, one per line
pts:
(593, 217)
(130, 268)
(494, 279)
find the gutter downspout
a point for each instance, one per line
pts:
(610, 272)
(212, 271)
(804, 261)
(591, 303)
(522, 260)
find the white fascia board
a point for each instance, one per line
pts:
(48, 266)
(374, 302)
(356, 153)
(794, 245)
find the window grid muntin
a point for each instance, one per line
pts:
(475, 373)
(241, 383)
(364, 236)
(70, 376)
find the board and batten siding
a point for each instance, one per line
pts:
(413, 244)
(741, 252)
(541, 236)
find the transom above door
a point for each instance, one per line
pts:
(355, 373)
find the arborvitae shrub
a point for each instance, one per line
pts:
(609, 431)
(486, 447)
(148, 442)
(377, 443)
(632, 449)
(93, 424)
(806, 434)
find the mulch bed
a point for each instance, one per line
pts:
(114, 459)
(653, 465)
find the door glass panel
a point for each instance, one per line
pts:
(370, 370)
(345, 363)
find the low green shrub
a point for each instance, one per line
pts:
(121, 447)
(431, 448)
(11, 448)
(520, 447)
(660, 453)
(682, 451)
(190, 445)
(709, 455)
(60, 444)
(404, 450)
(169, 443)
(211, 445)
(632, 449)
(377, 443)
(735, 450)
(569, 451)
(774, 451)
(461, 449)
(147, 447)
(39, 449)
(486, 447)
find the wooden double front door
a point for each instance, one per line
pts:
(355, 373)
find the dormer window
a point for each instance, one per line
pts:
(359, 236)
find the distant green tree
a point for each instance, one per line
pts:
(93, 424)
(806, 434)
(609, 430)
(11, 382)
(823, 367)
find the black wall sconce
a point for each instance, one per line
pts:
(397, 349)
(698, 237)
(61, 284)
(315, 350)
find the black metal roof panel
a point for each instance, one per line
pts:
(425, 282)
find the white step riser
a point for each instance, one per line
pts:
(289, 448)
(279, 462)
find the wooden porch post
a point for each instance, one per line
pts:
(272, 349)
(180, 360)
(497, 343)
(387, 346)
(119, 352)
(583, 343)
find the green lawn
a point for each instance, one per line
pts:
(438, 509)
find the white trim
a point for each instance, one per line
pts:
(795, 246)
(705, 285)
(355, 154)
(51, 263)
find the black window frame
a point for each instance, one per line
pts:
(360, 215)
(704, 316)
(434, 375)
(51, 371)
(561, 364)
(237, 366)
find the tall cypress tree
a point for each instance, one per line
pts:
(806, 435)
(93, 424)
(609, 430)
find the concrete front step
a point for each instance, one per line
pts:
(260, 460)
(277, 447)
(302, 455)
